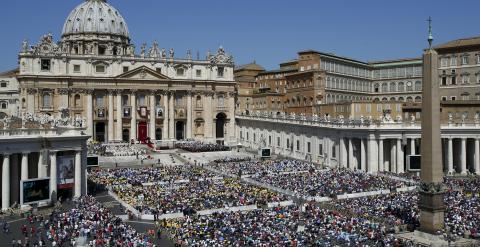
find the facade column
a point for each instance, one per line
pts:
(111, 137)
(153, 116)
(412, 146)
(24, 167)
(6, 182)
(381, 162)
(463, 156)
(89, 97)
(400, 164)
(477, 156)
(231, 116)
(171, 117)
(78, 173)
(31, 92)
(119, 127)
(207, 110)
(40, 166)
(343, 153)
(189, 115)
(53, 176)
(363, 154)
(351, 163)
(451, 170)
(372, 166)
(133, 122)
(165, 117)
(393, 156)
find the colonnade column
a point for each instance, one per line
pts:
(40, 165)
(111, 137)
(78, 173)
(477, 156)
(89, 97)
(119, 116)
(363, 155)
(152, 116)
(393, 156)
(133, 122)
(343, 153)
(381, 162)
(412, 146)
(53, 175)
(372, 165)
(165, 116)
(450, 156)
(24, 167)
(351, 163)
(400, 163)
(189, 115)
(171, 117)
(463, 156)
(6, 181)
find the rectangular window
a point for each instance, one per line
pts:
(444, 98)
(3, 84)
(45, 64)
(254, 137)
(308, 147)
(100, 69)
(465, 79)
(278, 141)
(453, 61)
(454, 80)
(478, 58)
(298, 145)
(158, 70)
(444, 80)
(270, 140)
(247, 136)
(453, 98)
(220, 71)
(180, 72)
(444, 61)
(334, 151)
(76, 68)
(320, 149)
(288, 143)
(198, 73)
(464, 60)
(125, 69)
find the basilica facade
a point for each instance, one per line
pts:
(124, 93)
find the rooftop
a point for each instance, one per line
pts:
(472, 41)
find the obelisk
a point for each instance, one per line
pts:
(431, 190)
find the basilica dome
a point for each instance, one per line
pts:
(95, 17)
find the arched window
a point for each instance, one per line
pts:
(418, 86)
(401, 99)
(418, 99)
(409, 86)
(3, 105)
(141, 100)
(47, 100)
(376, 88)
(124, 100)
(384, 87)
(393, 87)
(76, 100)
(158, 99)
(409, 99)
(401, 87)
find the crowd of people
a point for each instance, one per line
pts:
(329, 183)
(280, 226)
(198, 147)
(233, 159)
(263, 168)
(139, 176)
(115, 150)
(195, 196)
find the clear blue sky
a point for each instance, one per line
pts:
(269, 31)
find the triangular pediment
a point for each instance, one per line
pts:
(143, 73)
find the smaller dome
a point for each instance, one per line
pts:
(95, 16)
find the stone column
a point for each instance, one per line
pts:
(189, 115)
(393, 156)
(477, 156)
(165, 117)
(133, 122)
(119, 126)
(372, 166)
(88, 94)
(451, 170)
(231, 116)
(24, 166)
(412, 146)
(111, 137)
(381, 162)
(343, 153)
(363, 155)
(41, 165)
(14, 179)
(351, 163)
(463, 156)
(64, 93)
(31, 92)
(53, 175)
(171, 117)
(207, 110)
(6, 181)
(78, 173)
(400, 163)
(153, 116)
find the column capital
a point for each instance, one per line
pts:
(89, 91)
(26, 152)
(63, 91)
(112, 92)
(6, 154)
(32, 91)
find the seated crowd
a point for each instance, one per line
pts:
(233, 159)
(137, 176)
(194, 196)
(279, 227)
(124, 149)
(197, 147)
(263, 168)
(328, 183)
